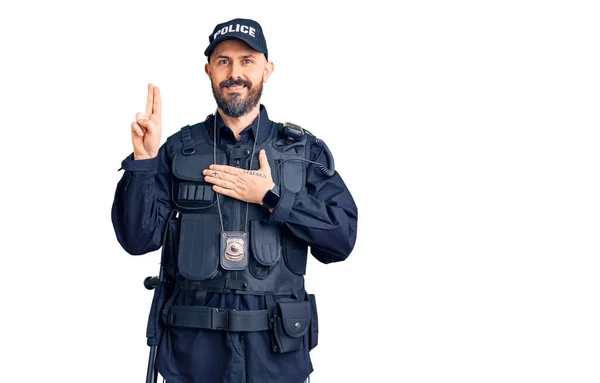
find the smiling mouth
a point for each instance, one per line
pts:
(235, 88)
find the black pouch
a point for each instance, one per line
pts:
(188, 188)
(291, 322)
(294, 254)
(313, 335)
(198, 257)
(266, 248)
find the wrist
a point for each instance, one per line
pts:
(271, 198)
(138, 157)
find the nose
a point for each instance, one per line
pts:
(236, 71)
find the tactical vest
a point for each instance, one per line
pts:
(192, 245)
(276, 259)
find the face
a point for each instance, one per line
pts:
(237, 73)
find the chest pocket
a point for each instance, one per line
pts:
(188, 189)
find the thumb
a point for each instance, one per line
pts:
(262, 160)
(151, 127)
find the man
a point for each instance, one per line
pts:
(234, 201)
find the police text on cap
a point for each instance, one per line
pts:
(238, 28)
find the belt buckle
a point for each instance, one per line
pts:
(220, 319)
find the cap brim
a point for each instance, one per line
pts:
(220, 39)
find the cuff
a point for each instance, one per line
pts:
(282, 210)
(130, 164)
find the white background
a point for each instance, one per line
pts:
(466, 131)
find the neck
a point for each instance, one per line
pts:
(237, 124)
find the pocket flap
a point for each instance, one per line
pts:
(295, 317)
(190, 167)
(265, 242)
(293, 175)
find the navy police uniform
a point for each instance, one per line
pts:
(213, 322)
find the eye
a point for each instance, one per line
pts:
(247, 61)
(223, 62)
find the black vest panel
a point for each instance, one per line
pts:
(276, 259)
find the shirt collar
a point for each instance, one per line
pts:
(263, 132)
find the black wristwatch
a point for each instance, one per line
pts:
(271, 198)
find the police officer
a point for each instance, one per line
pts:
(235, 202)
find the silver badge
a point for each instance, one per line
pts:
(234, 249)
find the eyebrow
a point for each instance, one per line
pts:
(229, 58)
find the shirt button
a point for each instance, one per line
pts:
(247, 151)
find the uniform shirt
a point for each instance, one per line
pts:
(323, 215)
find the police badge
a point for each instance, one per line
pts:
(234, 250)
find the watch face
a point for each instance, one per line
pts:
(270, 199)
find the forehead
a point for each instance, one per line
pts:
(233, 48)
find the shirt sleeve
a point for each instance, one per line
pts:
(324, 215)
(142, 204)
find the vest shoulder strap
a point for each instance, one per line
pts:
(187, 141)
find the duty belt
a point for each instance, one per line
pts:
(217, 319)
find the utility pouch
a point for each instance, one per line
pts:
(188, 188)
(266, 248)
(313, 335)
(198, 257)
(291, 321)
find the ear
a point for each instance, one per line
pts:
(269, 69)
(207, 69)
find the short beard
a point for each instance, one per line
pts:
(236, 106)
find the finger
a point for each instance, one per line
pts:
(137, 129)
(227, 192)
(157, 107)
(150, 126)
(222, 175)
(142, 122)
(149, 100)
(140, 116)
(219, 182)
(225, 168)
(147, 124)
(263, 161)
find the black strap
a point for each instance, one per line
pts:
(187, 141)
(166, 316)
(226, 286)
(218, 319)
(200, 298)
(270, 303)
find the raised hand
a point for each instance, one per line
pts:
(146, 129)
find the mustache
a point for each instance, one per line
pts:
(231, 82)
